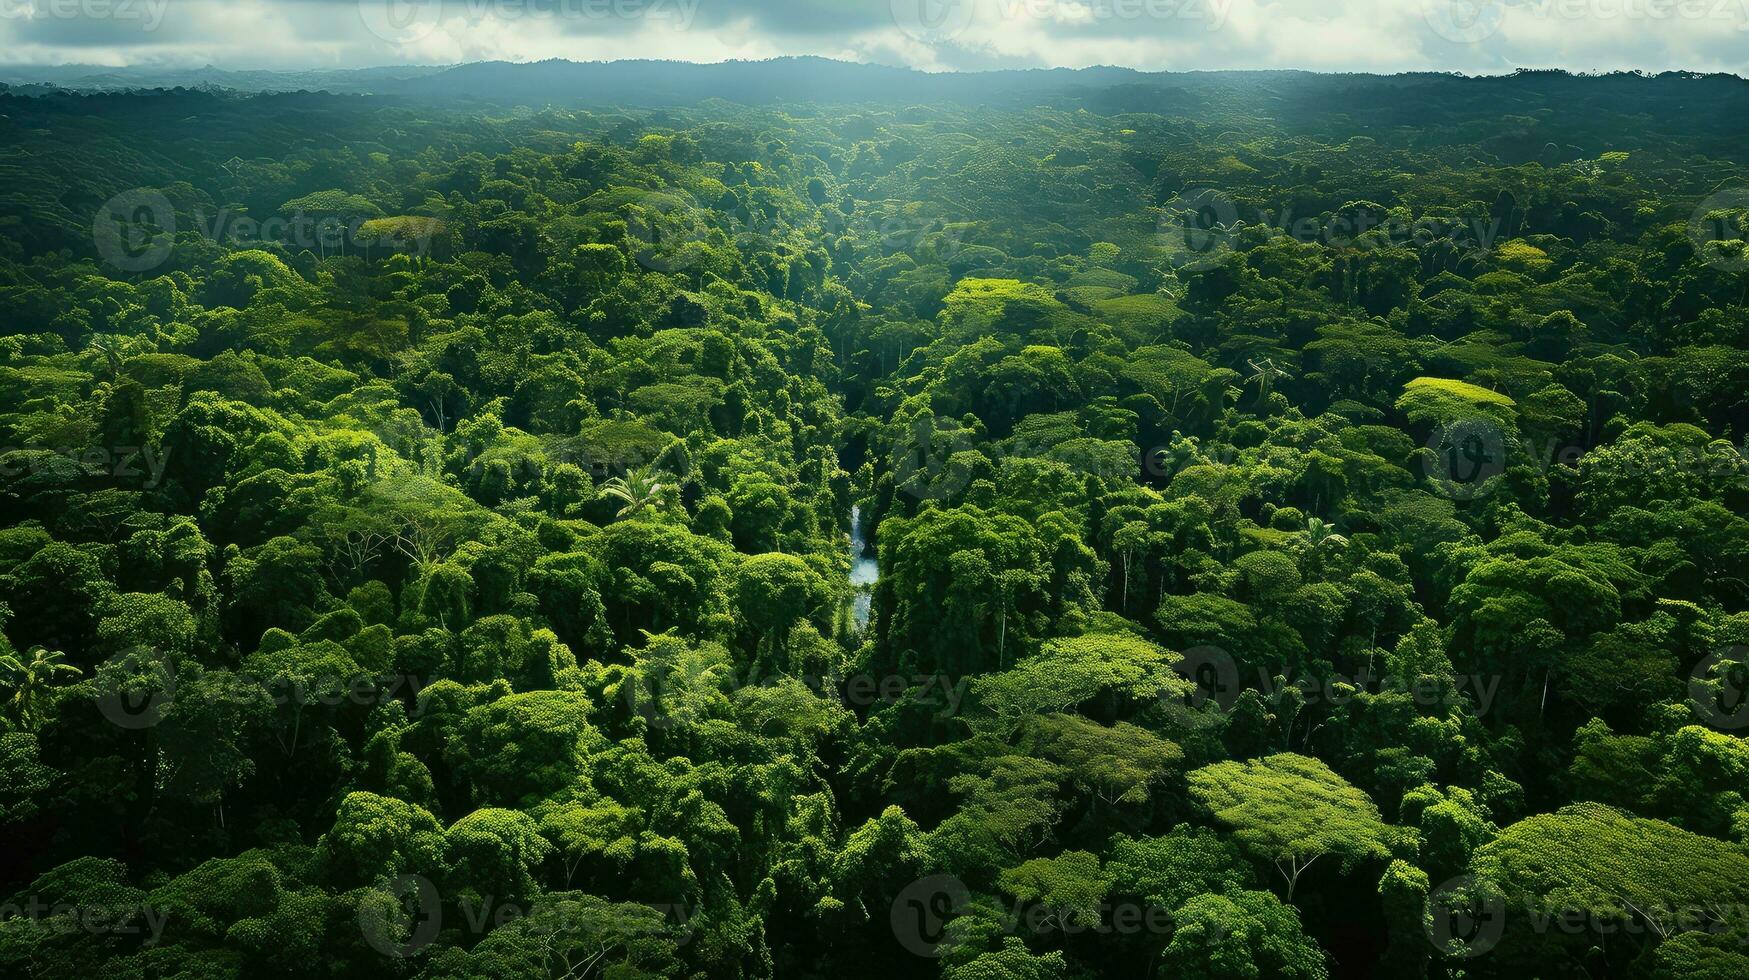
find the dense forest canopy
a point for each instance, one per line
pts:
(1307, 528)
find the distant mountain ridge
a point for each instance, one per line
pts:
(105, 78)
(645, 82)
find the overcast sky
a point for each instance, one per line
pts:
(1357, 35)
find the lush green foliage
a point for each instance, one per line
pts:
(424, 536)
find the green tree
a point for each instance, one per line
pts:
(1291, 810)
(1240, 934)
(29, 681)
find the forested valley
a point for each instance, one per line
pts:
(1144, 529)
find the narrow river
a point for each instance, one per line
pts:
(864, 570)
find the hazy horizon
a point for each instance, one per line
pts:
(434, 66)
(1375, 36)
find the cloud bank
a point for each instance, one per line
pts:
(1482, 36)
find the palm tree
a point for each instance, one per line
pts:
(1265, 374)
(29, 680)
(1320, 533)
(111, 354)
(653, 485)
(638, 489)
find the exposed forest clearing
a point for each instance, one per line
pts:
(438, 538)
